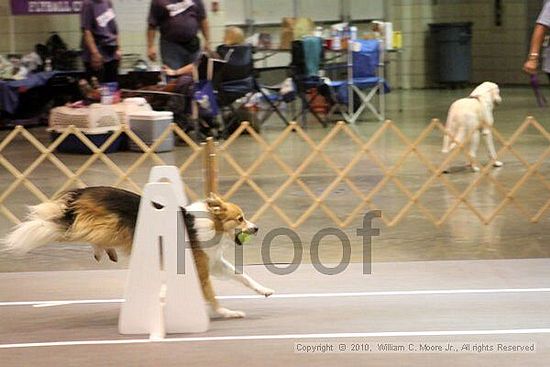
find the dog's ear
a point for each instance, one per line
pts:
(496, 95)
(482, 90)
(214, 199)
(215, 204)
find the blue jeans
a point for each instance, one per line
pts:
(175, 55)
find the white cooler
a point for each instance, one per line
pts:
(149, 126)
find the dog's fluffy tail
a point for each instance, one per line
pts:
(449, 134)
(40, 228)
(446, 146)
(451, 128)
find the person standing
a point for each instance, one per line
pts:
(100, 42)
(179, 23)
(541, 29)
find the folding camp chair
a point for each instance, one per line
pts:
(236, 82)
(307, 57)
(190, 98)
(364, 81)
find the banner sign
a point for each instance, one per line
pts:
(30, 7)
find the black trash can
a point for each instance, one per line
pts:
(452, 43)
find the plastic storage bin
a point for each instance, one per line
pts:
(72, 144)
(149, 127)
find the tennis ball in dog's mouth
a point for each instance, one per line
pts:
(244, 237)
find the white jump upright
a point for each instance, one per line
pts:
(163, 293)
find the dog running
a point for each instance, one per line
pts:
(105, 217)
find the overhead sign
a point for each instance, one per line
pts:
(29, 7)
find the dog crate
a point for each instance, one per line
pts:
(95, 116)
(73, 145)
(97, 122)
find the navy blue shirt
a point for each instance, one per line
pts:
(178, 21)
(98, 17)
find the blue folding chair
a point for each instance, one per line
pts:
(365, 80)
(307, 59)
(236, 80)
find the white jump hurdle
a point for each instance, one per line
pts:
(162, 296)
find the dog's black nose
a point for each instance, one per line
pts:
(254, 230)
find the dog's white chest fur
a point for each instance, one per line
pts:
(212, 243)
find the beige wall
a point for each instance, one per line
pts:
(132, 15)
(498, 52)
(132, 20)
(21, 33)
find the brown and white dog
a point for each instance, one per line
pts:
(469, 117)
(105, 217)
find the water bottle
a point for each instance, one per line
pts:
(353, 33)
(336, 40)
(318, 32)
(48, 65)
(163, 77)
(106, 97)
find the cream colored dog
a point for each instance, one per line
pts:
(468, 117)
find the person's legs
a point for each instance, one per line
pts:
(174, 55)
(91, 72)
(110, 71)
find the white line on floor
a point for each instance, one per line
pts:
(279, 337)
(300, 295)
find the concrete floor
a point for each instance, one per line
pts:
(510, 235)
(434, 252)
(458, 302)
